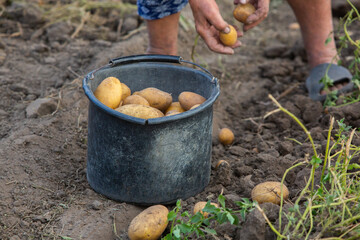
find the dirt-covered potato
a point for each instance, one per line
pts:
(226, 136)
(140, 111)
(269, 192)
(175, 106)
(189, 99)
(156, 98)
(109, 92)
(243, 11)
(126, 91)
(136, 99)
(199, 206)
(149, 224)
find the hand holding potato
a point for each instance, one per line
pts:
(209, 23)
(262, 10)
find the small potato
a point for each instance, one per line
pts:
(171, 113)
(125, 91)
(195, 106)
(136, 99)
(199, 206)
(243, 11)
(221, 162)
(269, 192)
(109, 92)
(156, 98)
(140, 111)
(149, 224)
(189, 99)
(230, 38)
(226, 136)
(175, 106)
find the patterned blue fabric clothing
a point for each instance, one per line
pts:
(156, 9)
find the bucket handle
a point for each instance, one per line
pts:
(156, 58)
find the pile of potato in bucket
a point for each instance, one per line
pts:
(147, 103)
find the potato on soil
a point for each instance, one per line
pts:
(226, 136)
(269, 192)
(243, 11)
(199, 206)
(229, 39)
(136, 99)
(175, 106)
(189, 99)
(140, 111)
(156, 98)
(126, 91)
(149, 224)
(109, 92)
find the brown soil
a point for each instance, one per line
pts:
(44, 193)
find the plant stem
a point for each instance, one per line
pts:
(327, 147)
(269, 223)
(281, 195)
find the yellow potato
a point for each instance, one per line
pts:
(136, 99)
(149, 224)
(156, 98)
(140, 111)
(109, 92)
(199, 206)
(175, 106)
(171, 113)
(243, 11)
(195, 106)
(269, 192)
(189, 99)
(125, 91)
(230, 38)
(226, 136)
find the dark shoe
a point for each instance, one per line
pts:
(336, 73)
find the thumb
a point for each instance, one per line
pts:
(218, 22)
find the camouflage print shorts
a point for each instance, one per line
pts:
(156, 9)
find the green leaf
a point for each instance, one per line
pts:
(210, 231)
(354, 166)
(167, 237)
(172, 215)
(221, 200)
(185, 228)
(176, 232)
(185, 214)
(221, 218)
(66, 238)
(328, 40)
(196, 218)
(230, 218)
(178, 203)
(209, 208)
(236, 221)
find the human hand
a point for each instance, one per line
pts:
(209, 24)
(262, 10)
